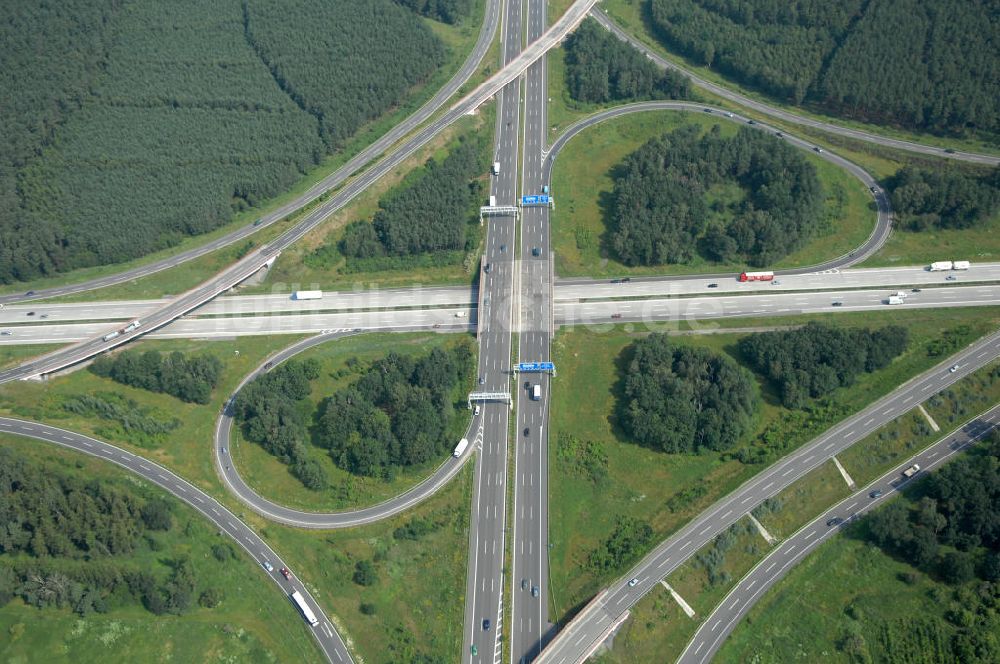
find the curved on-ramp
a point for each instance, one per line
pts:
(328, 520)
(325, 633)
(737, 98)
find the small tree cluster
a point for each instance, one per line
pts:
(923, 199)
(189, 379)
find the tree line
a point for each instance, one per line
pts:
(130, 128)
(601, 68)
(268, 409)
(430, 211)
(190, 379)
(943, 198)
(683, 399)
(64, 543)
(397, 414)
(840, 57)
(446, 11)
(660, 211)
(816, 359)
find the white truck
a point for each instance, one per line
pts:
(462, 444)
(131, 326)
(894, 299)
(307, 295)
(111, 335)
(536, 392)
(960, 265)
(493, 201)
(496, 168)
(940, 266)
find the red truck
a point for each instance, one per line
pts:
(756, 276)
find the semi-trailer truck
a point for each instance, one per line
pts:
(756, 276)
(131, 326)
(307, 295)
(111, 335)
(462, 444)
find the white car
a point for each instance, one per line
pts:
(953, 369)
(268, 566)
(633, 582)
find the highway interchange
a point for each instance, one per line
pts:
(518, 294)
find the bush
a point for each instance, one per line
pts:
(210, 598)
(367, 609)
(365, 573)
(222, 552)
(624, 545)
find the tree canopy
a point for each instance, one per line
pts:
(841, 57)
(816, 359)
(943, 198)
(602, 68)
(660, 209)
(685, 399)
(189, 379)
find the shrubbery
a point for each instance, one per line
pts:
(602, 68)
(189, 379)
(660, 205)
(814, 360)
(685, 399)
(624, 545)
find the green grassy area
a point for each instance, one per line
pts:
(631, 15)
(293, 266)
(673, 488)
(11, 355)
(819, 489)
(843, 587)
(459, 40)
(418, 599)
(273, 479)
(254, 622)
(583, 183)
(977, 244)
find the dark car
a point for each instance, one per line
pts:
(482, 380)
(949, 151)
(258, 222)
(626, 280)
(751, 122)
(524, 584)
(835, 521)
(285, 573)
(31, 292)
(615, 316)
(503, 247)
(616, 281)
(527, 384)
(30, 313)
(877, 493)
(268, 365)
(534, 591)
(527, 430)
(486, 624)
(708, 110)
(838, 303)
(915, 290)
(818, 149)
(487, 268)
(713, 285)
(778, 134)
(536, 251)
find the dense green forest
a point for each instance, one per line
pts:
(189, 379)
(602, 68)
(685, 399)
(947, 526)
(446, 11)
(397, 414)
(925, 65)
(813, 360)
(129, 125)
(943, 198)
(661, 207)
(65, 543)
(430, 212)
(267, 408)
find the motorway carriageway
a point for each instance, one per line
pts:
(600, 312)
(459, 296)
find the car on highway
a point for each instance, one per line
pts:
(486, 624)
(713, 285)
(486, 301)
(818, 149)
(953, 369)
(837, 303)
(729, 115)
(708, 110)
(258, 222)
(503, 247)
(268, 566)
(626, 280)
(473, 650)
(6, 333)
(534, 591)
(877, 493)
(285, 573)
(482, 380)
(31, 292)
(524, 584)
(268, 366)
(775, 283)
(44, 316)
(951, 277)
(751, 122)
(616, 316)
(835, 521)
(632, 582)
(30, 313)
(536, 251)
(476, 412)
(223, 450)
(915, 290)
(527, 430)
(778, 134)
(487, 268)
(949, 151)
(527, 384)
(616, 281)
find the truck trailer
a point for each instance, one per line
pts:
(462, 444)
(307, 295)
(940, 266)
(756, 276)
(960, 265)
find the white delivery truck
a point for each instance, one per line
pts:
(939, 266)
(493, 201)
(894, 299)
(496, 168)
(536, 392)
(462, 444)
(307, 295)
(960, 265)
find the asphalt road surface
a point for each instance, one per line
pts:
(719, 624)
(303, 519)
(227, 522)
(590, 627)
(490, 21)
(772, 111)
(529, 579)
(255, 261)
(654, 311)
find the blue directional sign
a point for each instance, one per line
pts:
(540, 199)
(536, 366)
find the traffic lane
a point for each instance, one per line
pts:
(737, 98)
(719, 624)
(671, 553)
(778, 304)
(469, 66)
(578, 289)
(214, 511)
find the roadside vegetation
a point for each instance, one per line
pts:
(96, 564)
(916, 580)
(595, 485)
(723, 220)
(189, 379)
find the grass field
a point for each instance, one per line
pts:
(631, 16)
(254, 623)
(670, 489)
(583, 182)
(11, 355)
(273, 480)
